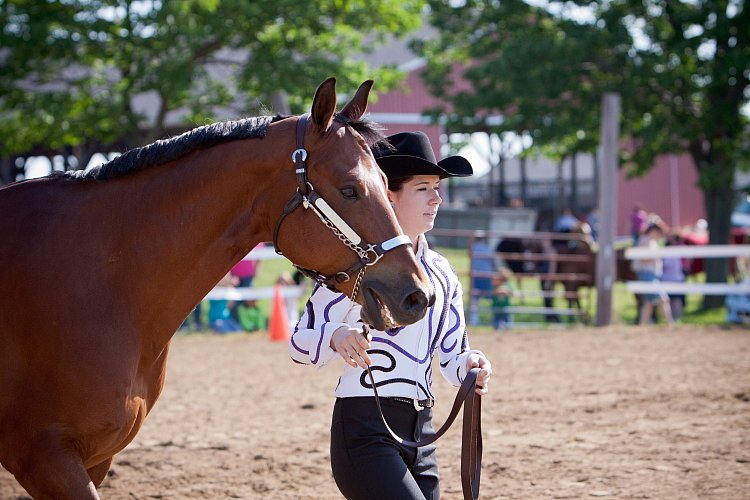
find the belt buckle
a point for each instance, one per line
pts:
(426, 403)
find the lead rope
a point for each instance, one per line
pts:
(471, 436)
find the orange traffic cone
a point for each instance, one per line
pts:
(278, 325)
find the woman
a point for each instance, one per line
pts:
(650, 270)
(366, 462)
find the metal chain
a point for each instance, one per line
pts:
(341, 236)
(359, 250)
(355, 289)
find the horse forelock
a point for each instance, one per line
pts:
(166, 150)
(371, 132)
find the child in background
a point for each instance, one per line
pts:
(673, 271)
(650, 270)
(219, 315)
(250, 316)
(503, 288)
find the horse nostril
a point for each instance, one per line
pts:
(417, 301)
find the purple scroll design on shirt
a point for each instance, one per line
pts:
(403, 351)
(449, 333)
(326, 320)
(365, 382)
(431, 275)
(428, 381)
(445, 285)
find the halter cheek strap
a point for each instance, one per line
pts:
(306, 197)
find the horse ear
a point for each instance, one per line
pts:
(324, 105)
(358, 105)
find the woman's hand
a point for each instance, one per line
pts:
(352, 346)
(477, 359)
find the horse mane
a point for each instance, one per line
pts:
(166, 150)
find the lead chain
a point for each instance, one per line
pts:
(355, 289)
(356, 248)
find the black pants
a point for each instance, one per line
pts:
(368, 464)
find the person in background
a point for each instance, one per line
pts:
(244, 272)
(367, 463)
(673, 271)
(197, 323)
(566, 222)
(250, 316)
(503, 291)
(638, 218)
(592, 219)
(650, 270)
(220, 318)
(482, 262)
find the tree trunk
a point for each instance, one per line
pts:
(719, 203)
(280, 102)
(83, 153)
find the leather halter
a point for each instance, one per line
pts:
(306, 197)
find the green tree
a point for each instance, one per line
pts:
(682, 69)
(72, 71)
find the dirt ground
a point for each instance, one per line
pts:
(612, 413)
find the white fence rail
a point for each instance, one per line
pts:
(690, 288)
(290, 293)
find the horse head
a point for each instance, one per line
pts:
(338, 226)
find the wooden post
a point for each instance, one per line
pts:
(605, 259)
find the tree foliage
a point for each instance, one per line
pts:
(72, 71)
(681, 67)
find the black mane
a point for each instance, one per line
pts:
(166, 150)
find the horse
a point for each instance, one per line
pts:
(570, 262)
(101, 267)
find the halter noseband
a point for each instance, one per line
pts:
(306, 196)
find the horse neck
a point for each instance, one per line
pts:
(193, 219)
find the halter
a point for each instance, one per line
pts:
(306, 196)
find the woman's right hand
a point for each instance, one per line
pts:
(352, 346)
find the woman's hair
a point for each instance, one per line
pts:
(395, 185)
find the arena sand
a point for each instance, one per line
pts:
(620, 412)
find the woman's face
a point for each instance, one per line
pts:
(416, 204)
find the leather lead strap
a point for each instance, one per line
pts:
(471, 437)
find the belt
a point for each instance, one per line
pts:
(418, 404)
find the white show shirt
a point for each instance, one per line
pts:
(402, 356)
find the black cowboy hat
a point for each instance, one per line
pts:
(410, 153)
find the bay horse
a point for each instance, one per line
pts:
(574, 268)
(101, 267)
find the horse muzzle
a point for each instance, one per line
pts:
(388, 306)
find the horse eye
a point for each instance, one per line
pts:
(349, 192)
